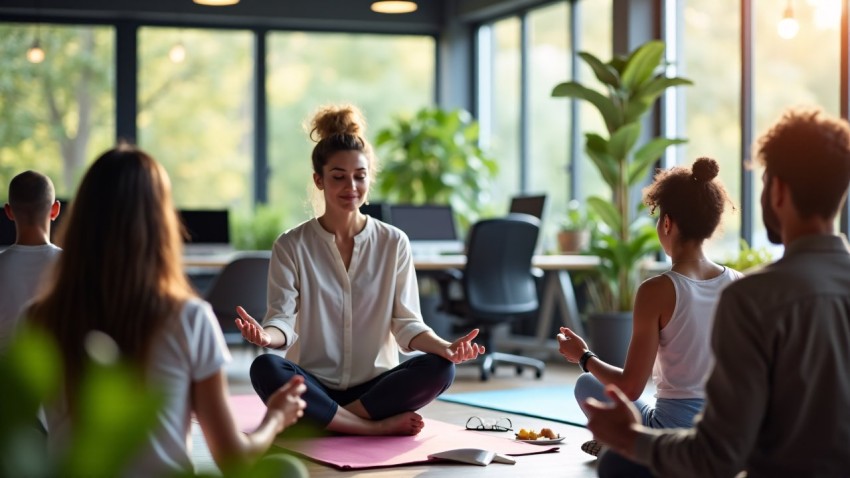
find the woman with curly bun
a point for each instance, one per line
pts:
(673, 312)
(343, 299)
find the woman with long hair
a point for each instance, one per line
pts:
(121, 275)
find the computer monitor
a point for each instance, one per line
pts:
(376, 210)
(430, 228)
(532, 205)
(208, 230)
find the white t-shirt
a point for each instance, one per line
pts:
(344, 326)
(21, 273)
(192, 349)
(684, 352)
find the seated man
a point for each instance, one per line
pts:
(32, 206)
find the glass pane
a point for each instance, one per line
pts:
(504, 102)
(595, 37)
(196, 113)
(549, 117)
(385, 75)
(711, 58)
(57, 115)
(787, 73)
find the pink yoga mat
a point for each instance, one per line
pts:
(353, 452)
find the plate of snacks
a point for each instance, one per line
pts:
(544, 437)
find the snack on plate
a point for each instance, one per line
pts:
(545, 433)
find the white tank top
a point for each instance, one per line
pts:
(684, 353)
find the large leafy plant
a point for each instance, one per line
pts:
(632, 85)
(434, 157)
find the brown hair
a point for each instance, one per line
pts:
(339, 128)
(121, 269)
(692, 197)
(31, 196)
(809, 151)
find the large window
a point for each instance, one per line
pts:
(516, 75)
(384, 75)
(56, 116)
(594, 37)
(549, 118)
(798, 71)
(195, 112)
(711, 58)
(500, 68)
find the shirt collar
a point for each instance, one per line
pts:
(818, 243)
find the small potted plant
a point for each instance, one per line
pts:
(574, 231)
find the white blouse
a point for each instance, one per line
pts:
(344, 326)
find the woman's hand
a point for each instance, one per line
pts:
(464, 349)
(251, 330)
(287, 402)
(570, 345)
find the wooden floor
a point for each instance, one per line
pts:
(570, 461)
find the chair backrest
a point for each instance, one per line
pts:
(497, 279)
(243, 281)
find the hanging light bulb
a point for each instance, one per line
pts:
(35, 54)
(788, 26)
(177, 53)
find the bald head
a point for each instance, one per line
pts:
(31, 196)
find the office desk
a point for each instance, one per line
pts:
(558, 294)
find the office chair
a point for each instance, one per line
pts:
(243, 281)
(497, 285)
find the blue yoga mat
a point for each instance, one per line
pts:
(551, 403)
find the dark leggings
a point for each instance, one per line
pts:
(409, 386)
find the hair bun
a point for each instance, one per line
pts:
(333, 120)
(705, 169)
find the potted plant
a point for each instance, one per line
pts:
(434, 158)
(749, 259)
(632, 86)
(574, 230)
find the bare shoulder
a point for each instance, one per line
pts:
(656, 293)
(657, 287)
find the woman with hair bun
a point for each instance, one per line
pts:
(673, 312)
(343, 299)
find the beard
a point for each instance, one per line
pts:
(769, 217)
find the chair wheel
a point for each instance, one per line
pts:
(485, 375)
(538, 374)
(519, 370)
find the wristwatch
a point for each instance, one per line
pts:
(582, 362)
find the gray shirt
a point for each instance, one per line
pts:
(778, 399)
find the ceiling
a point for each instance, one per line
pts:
(431, 17)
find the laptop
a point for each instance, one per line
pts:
(208, 230)
(430, 228)
(532, 205)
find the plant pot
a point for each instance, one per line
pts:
(573, 242)
(609, 334)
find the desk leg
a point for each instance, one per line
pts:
(558, 293)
